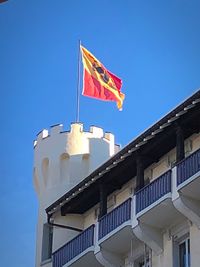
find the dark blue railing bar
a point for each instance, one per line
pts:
(115, 218)
(153, 191)
(74, 247)
(188, 167)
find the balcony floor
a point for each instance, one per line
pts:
(87, 259)
(191, 187)
(120, 242)
(161, 215)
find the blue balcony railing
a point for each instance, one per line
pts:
(74, 247)
(153, 191)
(115, 218)
(188, 167)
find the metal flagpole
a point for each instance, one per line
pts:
(78, 84)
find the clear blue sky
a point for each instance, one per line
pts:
(154, 46)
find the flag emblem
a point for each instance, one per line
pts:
(99, 82)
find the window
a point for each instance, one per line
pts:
(143, 264)
(184, 253)
(145, 260)
(47, 241)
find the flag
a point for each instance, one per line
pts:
(98, 82)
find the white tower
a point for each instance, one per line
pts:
(61, 160)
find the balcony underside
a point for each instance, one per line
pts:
(191, 187)
(161, 214)
(120, 242)
(88, 259)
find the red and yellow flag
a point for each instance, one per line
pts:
(98, 82)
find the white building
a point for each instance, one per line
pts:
(139, 206)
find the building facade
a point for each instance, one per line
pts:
(134, 207)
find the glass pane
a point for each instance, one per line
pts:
(182, 255)
(47, 240)
(142, 264)
(188, 252)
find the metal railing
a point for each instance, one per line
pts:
(74, 247)
(188, 167)
(153, 191)
(115, 218)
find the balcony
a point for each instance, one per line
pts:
(188, 167)
(188, 176)
(115, 231)
(153, 191)
(77, 252)
(155, 198)
(115, 218)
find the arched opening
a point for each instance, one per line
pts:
(36, 181)
(45, 170)
(64, 167)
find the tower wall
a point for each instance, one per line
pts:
(61, 160)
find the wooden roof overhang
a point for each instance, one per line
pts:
(119, 169)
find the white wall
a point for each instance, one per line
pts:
(61, 160)
(195, 246)
(60, 235)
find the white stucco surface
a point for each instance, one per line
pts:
(195, 246)
(62, 160)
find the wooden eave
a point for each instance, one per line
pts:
(151, 145)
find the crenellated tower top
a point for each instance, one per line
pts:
(63, 158)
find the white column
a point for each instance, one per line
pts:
(194, 246)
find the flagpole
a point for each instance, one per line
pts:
(78, 84)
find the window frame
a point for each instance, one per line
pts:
(185, 241)
(47, 242)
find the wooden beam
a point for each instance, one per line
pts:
(139, 172)
(180, 149)
(103, 199)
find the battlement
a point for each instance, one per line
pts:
(94, 131)
(64, 158)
